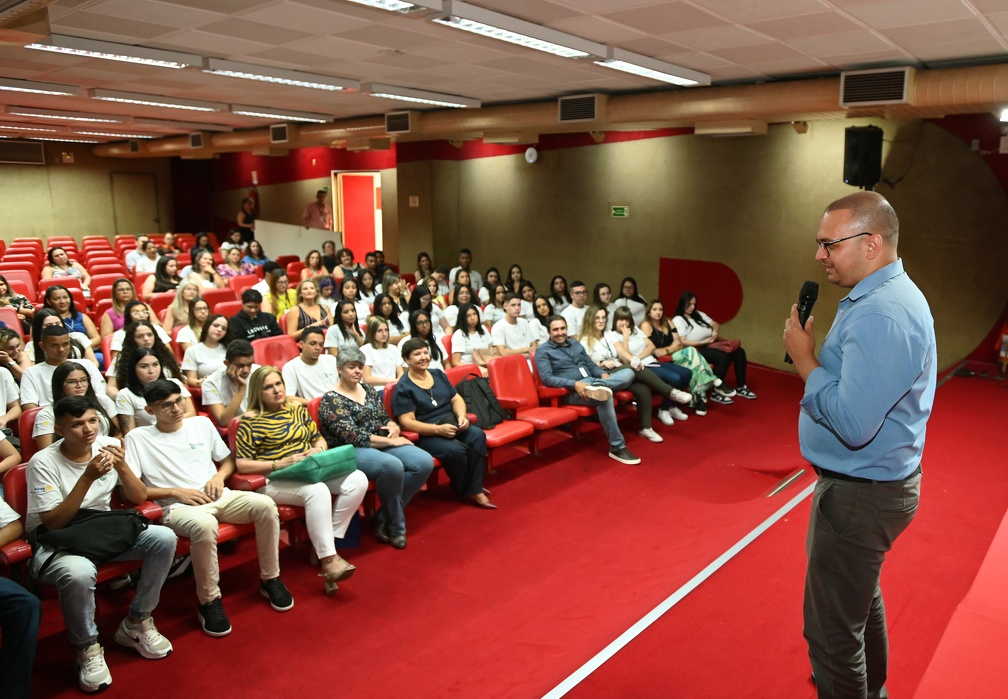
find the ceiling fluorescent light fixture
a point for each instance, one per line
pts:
(90, 48)
(397, 6)
(109, 134)
(652, 68)
(66, 116)
(37, 88)
(155, 100)
(495, 25)
(267, 113)
(406, 94)
(295, 78)
(61, 139)
(179, 126)
(40, 129)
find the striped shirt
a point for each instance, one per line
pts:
(272, 436)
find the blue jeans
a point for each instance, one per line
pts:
(617, 381)
(75, 578)
(19, 621)
(398, 474)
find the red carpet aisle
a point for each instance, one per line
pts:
(482, 604)
(739, 635)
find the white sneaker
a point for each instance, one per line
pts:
(680, 396)
(677, 413)
(92, 672)
(650, 434)
(144, 637)
(665, 417)
(599, 393)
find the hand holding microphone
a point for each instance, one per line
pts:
(806, 300)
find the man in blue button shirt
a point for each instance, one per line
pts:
(867, 400)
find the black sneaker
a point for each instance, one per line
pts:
(716, 397)
(276, 592)
(179, 566)
(213, 619)
(624, 456)
(699, 406)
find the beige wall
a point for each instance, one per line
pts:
(752, 203)
(73, 199)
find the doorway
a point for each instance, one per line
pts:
(358, 215)
(135, 203)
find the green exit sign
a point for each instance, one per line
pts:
(620, 211)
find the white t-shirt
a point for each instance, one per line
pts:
(334, 338)
(7, 513)
(81, 339)
(637, 309)
(521, 334)
(36, 382)
(540, 330)
(329, 303)
(119, 335)
(434, 363)
(575, 318)
(9, 390)
(691, 330)
(51, 477)
(204, 360)
(262, 287)
(185, 458)
(45, 420)
(363, 308)
(129, 403)
(465, 344)
(527, 310)
(187, 336)
(605, 348)
(491, 314)
(145, 264)
(310, 380)
(634, 345)
(383, 362)
(218, 389)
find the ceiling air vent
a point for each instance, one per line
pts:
(196, 140)
(397, 122)
(865, 88)
(579, 107)
(21, 152)
(134, 146)
(278, 133)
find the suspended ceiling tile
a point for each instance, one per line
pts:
(1000, 22)
(464, 52)
(339, 48)
(989, 5)
(734, 73)
(291, 59)
(602, 6)
(208, 44)
(815, 24)
(901, 13)
(665, 17)
(650, 46)
(388, 37)
(226, 7)
(953, 50)
(842, 43)
(746, 11)
(790, 67)
(255, 31)
(294, 15)
(923, 35)
(717, 38)
(540, 12)
(872, 59)
(757, 54)
(163, 13)
(109, 28)
(600, 29)
(464, 71)
(698, 60)
(406, 61)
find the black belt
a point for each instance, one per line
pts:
(826, 473)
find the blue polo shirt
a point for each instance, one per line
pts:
(865, 410)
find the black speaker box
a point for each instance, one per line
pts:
(862, 156)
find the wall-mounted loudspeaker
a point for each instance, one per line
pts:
(196, 140)
(862, 156)
(134, 146)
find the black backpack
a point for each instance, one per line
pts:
(480, 400)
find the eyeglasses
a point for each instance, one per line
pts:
(422, 322)
(76, 382)
(825, 245)
(170, 405)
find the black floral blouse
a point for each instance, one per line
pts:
(345, 421)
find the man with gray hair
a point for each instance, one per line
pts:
(353, 413)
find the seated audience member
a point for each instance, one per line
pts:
(313, 266)
(57, 298)
(485, 293)
(60, 265)
(9, 458)
(80, 347)
(72, 379)
(386, 309)
(329, 256)
(313, 372)
(697, 329)
(262, 286)
(635, 349)
(201, 244)
(364, 291)
(20, 303)
(513, 334)
(141, 333)
(10, 401)
(514, 279)
(602, 297)
(600, 345)
(352, 413)
(136, 311)
(133, 255)
(494, 310)
(541, 317)
(426, 403)
(115, 318)
(438, 299)
(382, 361)
(421, 327)
(348, 291)
(141, 366)
(204, 273)
(471, 342)
(465, 264)
(528, 296)
(12, 354)
(192, 331)
(380, 268)
(232, 266)
(255, 255)
(234, 240)
(177, 312)
(308, 313)
(280, 298)
(251, 323)
(165, 278)
(168, 246)
(396, 289)
(326, 287)
(20, 612)
(79, 472)
(463, 278)
(224, 391)
(424, 266)
(36, 383)
(629, 298)
(441, 275)
(559, 297)
(346, 267)
(207, 355)
(574, 313)
(184, 463)
(421, 300)
(462, 294)
(147, 262)
(565, 364)
(345, 329)
(276, 433)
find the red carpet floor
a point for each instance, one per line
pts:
(508, 603)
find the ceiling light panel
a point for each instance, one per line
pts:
(90, 48)
(652, 68)
(397, 5)
(65, 116)
(279, 115)
(294, 78)
(178, 126)
(156, 100)
(37, 88)
(406, 94)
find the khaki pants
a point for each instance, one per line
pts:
(199, 523)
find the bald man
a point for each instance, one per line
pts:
(863, 417)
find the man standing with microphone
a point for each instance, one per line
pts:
(862, 424)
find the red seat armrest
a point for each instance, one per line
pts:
(246, 481)
(509, 403)
(411, 436)
(149, 509)
(15, 552)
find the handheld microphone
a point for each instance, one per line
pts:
(806, 299)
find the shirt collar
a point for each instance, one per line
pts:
(875, 280)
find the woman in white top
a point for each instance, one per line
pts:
(135, 310)
(142, 367)
(382, 362)
(72, 379)
(462, 278)
(178, 312)
(421, 301)
(494, 310)
(326, 287)
(629, 298)
(207, 356)
(528, 296)
(191, 332)
(147, 262)
(396, 289)
(345, 329)
(421, 327)
(697, 329)
(398, 325)
(559, 296)
(490, 281)
(140, 333)
(542, 312)
(463, 295)
(471, 343)
(204, 273)
(365, 289)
